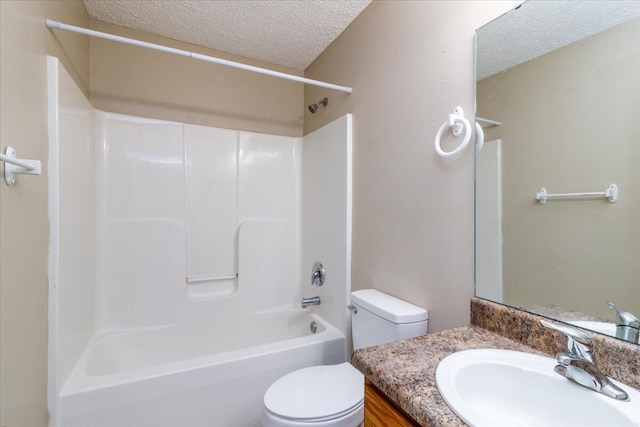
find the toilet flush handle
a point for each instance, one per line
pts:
(353, 308)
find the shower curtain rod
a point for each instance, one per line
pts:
(61, 26)
(491, 122)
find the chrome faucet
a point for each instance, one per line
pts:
(306, 302)
(317, 274)
(579, 363)
(627, 325)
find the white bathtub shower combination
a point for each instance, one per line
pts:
(179, 255)
(175, 376)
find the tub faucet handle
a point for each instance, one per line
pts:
(317, 274)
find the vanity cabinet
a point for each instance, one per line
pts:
(380, 411)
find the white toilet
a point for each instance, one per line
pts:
(333, 395)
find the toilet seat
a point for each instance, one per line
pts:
(318, 394)
(352, 417)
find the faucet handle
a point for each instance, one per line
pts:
(579, 343)
(317, 274)
(627, 325)
(624, 318)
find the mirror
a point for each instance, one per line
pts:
(558, 87)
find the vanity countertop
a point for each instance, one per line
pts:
(406, 370)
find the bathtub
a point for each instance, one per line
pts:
(183, 376)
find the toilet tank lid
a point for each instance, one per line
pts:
(391, 308)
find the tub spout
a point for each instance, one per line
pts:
(306, 302)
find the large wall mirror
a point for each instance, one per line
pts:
(558, 96)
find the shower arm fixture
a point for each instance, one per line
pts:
(314, 107)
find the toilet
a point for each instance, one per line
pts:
(333, 395)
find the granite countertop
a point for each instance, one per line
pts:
(565, 314)
(406, 370)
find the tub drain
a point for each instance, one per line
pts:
(314, 327)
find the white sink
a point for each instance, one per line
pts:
(600, 327)
(510, 388)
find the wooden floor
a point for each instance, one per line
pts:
(379, 411)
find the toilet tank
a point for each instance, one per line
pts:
(381, 318)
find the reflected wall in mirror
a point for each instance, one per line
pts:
(563, 80)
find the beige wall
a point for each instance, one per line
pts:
(24, 227)
(185, 90)
(570, 124)
(410, 63)
(147, 83)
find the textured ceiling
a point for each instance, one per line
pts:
(539, 26)
(291, 33)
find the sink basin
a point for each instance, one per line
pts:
(600, 327)
(510, 388)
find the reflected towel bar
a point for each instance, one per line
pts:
(610, 193)
(200, 279)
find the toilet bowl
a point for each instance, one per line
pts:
(333, 395)
(327, 396)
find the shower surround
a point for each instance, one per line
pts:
(179, 256)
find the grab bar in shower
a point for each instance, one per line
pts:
(610, 193)
(200, 279)
(13, 166)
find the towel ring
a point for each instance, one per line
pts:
(456, 121)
